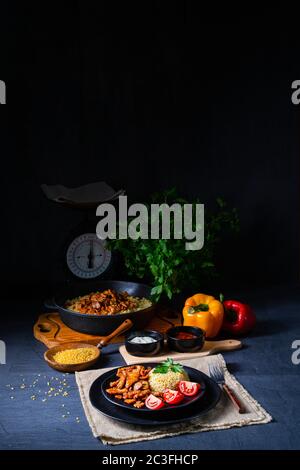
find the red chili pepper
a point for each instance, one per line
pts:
(239, 318)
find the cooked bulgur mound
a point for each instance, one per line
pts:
(159, 382)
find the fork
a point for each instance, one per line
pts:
(217, 373)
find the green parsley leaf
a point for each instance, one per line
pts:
(167, 366)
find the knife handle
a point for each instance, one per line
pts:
(234, 399)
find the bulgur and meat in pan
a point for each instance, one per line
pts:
(108, 302)
(98, 308)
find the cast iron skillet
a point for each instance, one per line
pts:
(104, 324)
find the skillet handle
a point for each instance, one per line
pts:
(49, 304)
(126, 325)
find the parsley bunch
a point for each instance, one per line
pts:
(166, 264)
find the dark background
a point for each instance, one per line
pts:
(145, 99)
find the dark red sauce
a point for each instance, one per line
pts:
(185, 335)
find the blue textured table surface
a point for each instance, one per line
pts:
(34, 416)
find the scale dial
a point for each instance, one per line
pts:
(87, 257)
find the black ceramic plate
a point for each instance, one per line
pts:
(199, 408)
(194, 375)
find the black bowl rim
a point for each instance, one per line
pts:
(198, 331)
(117, 315)
(134, 332)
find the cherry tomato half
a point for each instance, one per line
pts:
(154, 403)
(189, 389)
(173, 397)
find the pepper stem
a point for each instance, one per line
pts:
(199, 308)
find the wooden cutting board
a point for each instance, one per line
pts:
(50, 330)
(210, 347)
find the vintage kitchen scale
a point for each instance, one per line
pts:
(83, 256)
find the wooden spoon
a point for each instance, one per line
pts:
(49, 355)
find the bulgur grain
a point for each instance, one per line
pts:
(75, 356)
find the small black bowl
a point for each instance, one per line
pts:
(185, 345)
(144, 349)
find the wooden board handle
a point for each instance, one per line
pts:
(47, 327)
(234, 399)
(225, 345)
(126, 325)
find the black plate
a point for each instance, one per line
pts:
(105, 407)
(194, 375)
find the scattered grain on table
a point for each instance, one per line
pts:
(45, 389)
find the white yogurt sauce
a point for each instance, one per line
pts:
(143, 340)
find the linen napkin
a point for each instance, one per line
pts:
(223, 416)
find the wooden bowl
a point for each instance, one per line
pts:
(48, 356)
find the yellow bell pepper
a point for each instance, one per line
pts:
(205, 312)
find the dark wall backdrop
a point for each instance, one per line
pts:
(148, 99)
